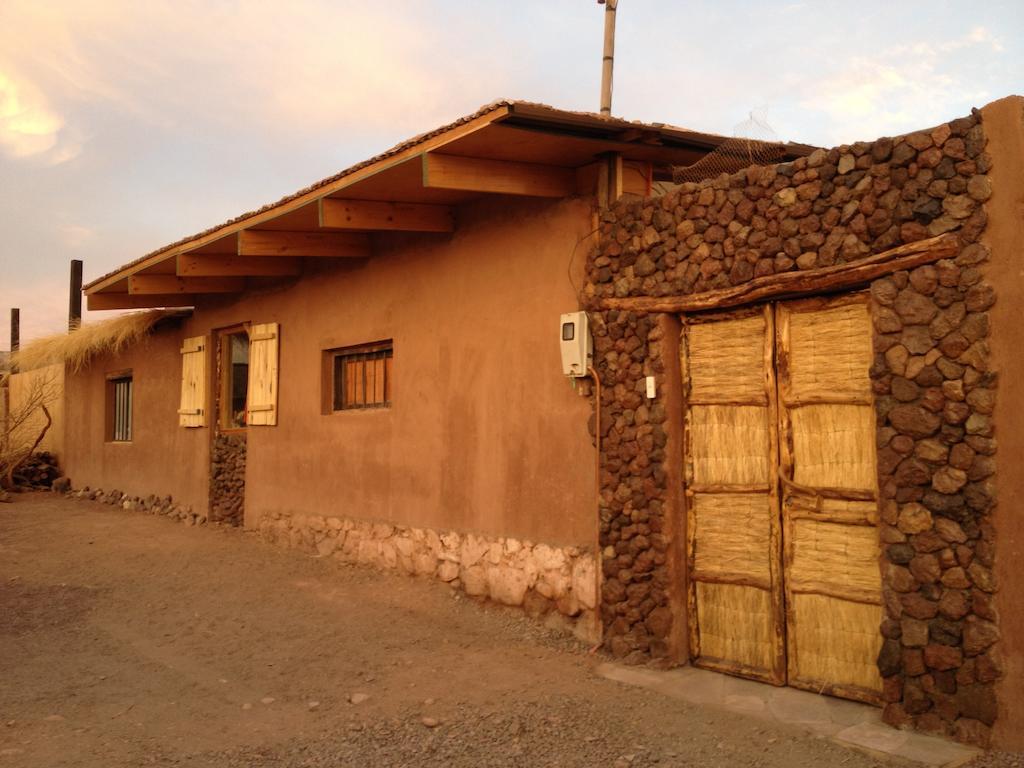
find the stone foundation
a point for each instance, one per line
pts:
(542, 579)
(154, 505)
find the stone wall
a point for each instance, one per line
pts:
(545, 580)
(227, 478)
(933, 387)
(634, 487)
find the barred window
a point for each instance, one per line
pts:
(361, 376)
(119, 407)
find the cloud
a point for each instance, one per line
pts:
(29, 126)
(900, 88)
(317, 68)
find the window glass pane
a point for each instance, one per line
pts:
(237, 372)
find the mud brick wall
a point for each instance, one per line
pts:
(227, 479)
(933, 387)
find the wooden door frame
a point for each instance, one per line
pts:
(220, 381)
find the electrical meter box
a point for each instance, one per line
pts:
(577, 351)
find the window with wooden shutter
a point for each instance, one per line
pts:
(263, 352)
(192, 410)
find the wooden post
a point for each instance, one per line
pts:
(15, 333)
(75, 295)
(5, 392)
(609, 55)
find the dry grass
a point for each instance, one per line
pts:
(76, 348)
(835, 641)
(834, 446)
(729, 444)
(733, 535)
(726, 361)
(736, 624)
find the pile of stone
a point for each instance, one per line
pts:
(153, 505)
(541, 578)
(37, 472)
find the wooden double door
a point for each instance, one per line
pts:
(781, 492)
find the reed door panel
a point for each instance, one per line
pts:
(733, 527)
(829, 496)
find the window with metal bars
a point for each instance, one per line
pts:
(119, 408)
(362, 376)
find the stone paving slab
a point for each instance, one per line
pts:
(848, 723)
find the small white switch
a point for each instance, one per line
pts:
(650, 388)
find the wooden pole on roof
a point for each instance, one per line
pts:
(609, 55)
(15, 333)
(5, 392)
(75, 296)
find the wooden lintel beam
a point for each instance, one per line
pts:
(102, 301)
(191, 265)
(471, 174)
(377, 215)
(266, 242)
(169, 284)
(793, 284)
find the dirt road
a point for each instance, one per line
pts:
(129, 640)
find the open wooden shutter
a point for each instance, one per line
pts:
(192, 410)
(262, 398)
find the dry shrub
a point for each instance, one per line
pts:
(25, 423)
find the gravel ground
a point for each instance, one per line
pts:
(129, 640)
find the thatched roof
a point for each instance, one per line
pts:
(77, 347)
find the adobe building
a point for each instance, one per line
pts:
(802, 369)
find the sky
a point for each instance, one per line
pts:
(126, 125)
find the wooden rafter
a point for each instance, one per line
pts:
(102, 301)
(190, 265)
(376, 215)
(501, 177)
(346, 245)
(307, 198)
(169, 284)
(792, 284)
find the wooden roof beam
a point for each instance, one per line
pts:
(191, 265)
(102, 301)
(336, 213)
(499, 177)
(171, 284)
(340, 245)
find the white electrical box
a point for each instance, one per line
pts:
(577, 351)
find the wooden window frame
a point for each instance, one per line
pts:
(224, 379)
(110, 414)
(330, 368)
